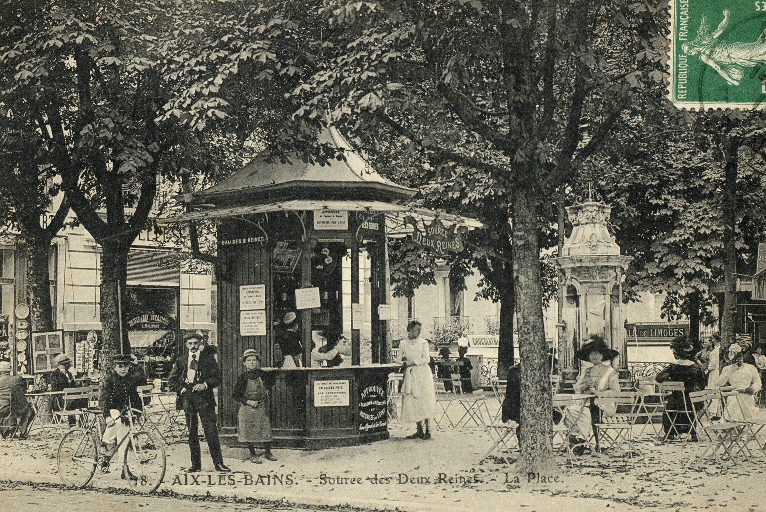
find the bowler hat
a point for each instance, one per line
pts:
(250, 352)
(597, 344)
(61, 359)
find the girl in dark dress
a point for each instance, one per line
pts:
(685, 370)
(250, 390)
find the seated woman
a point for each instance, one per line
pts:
(600, 380)
(745, 378)
(465, 369)
(683, 369)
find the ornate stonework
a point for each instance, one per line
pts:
(590, 234)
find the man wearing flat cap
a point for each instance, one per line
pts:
(193, 377)
(13, 404)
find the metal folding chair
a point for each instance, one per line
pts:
(394, 396)
(475, 410)
(504, 440)
(675, 414)
(615, 431)
(69, 397)
(650, 407)
(8, 425)
(714, 436)
(564, 402)
(498, 390)
(735, 412)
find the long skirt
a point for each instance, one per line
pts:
(418, 394)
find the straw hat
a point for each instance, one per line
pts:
(289, 317)
(5, 366)
(61, 359)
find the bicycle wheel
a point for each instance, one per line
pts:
(145, 460)
(77, 457)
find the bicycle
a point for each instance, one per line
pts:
(145, 458)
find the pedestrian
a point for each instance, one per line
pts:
(418, 393)
(251, 391)
(14, 408)
(193, 378)
(118, 393)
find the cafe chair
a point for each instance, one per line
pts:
(715, 438)
(650, 406)
(615, 431)
(69, 397)
(498, 390)
(734, 411)
(555, 383)
(561, 431)
(8, 425)
(504, 440)
(394, 395)
(674, 413)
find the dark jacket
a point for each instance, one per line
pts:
(208, 372)
(241, 385)
(118, 393)
(290, 343)
(59, 380)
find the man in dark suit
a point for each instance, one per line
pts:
(193, 378)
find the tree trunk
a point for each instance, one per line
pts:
(114, 270)
(38, 283)
(505, 350)
(693, 312)
(730, 148)
(536, 403)
(563, 353)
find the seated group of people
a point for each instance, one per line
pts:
(446, 368)
(600, 379)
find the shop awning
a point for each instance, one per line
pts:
(157, 267)
(391, 209)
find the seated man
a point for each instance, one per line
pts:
(14, 408)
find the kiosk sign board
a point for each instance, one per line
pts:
(331, 393)
(331, 220)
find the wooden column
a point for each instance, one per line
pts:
(355, 333)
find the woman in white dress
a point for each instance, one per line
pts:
(745, 379)
(418, 393)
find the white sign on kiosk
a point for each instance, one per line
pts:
(307, 298)
(252, 323)
(331, 219)
(252, 296)
(331, 393)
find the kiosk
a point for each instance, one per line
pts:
(310, 239)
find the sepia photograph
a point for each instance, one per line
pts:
(382, 255)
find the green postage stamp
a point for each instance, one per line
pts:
(718, 53)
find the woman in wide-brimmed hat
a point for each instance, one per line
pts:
(683, 369)
(598, 380)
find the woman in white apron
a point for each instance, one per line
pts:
(418, 393)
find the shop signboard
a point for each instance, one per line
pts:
(655, 333)
(437, 237)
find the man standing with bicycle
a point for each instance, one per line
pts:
(193, 378)
(118, 393)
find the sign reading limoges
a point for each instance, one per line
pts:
(252, 296)
(656, 332)
(307, 298)
(436, 236)
(331, 393)
(331, 219)
(252, 323)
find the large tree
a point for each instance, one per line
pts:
(528, 89)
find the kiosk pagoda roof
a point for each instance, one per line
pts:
(263, 181)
